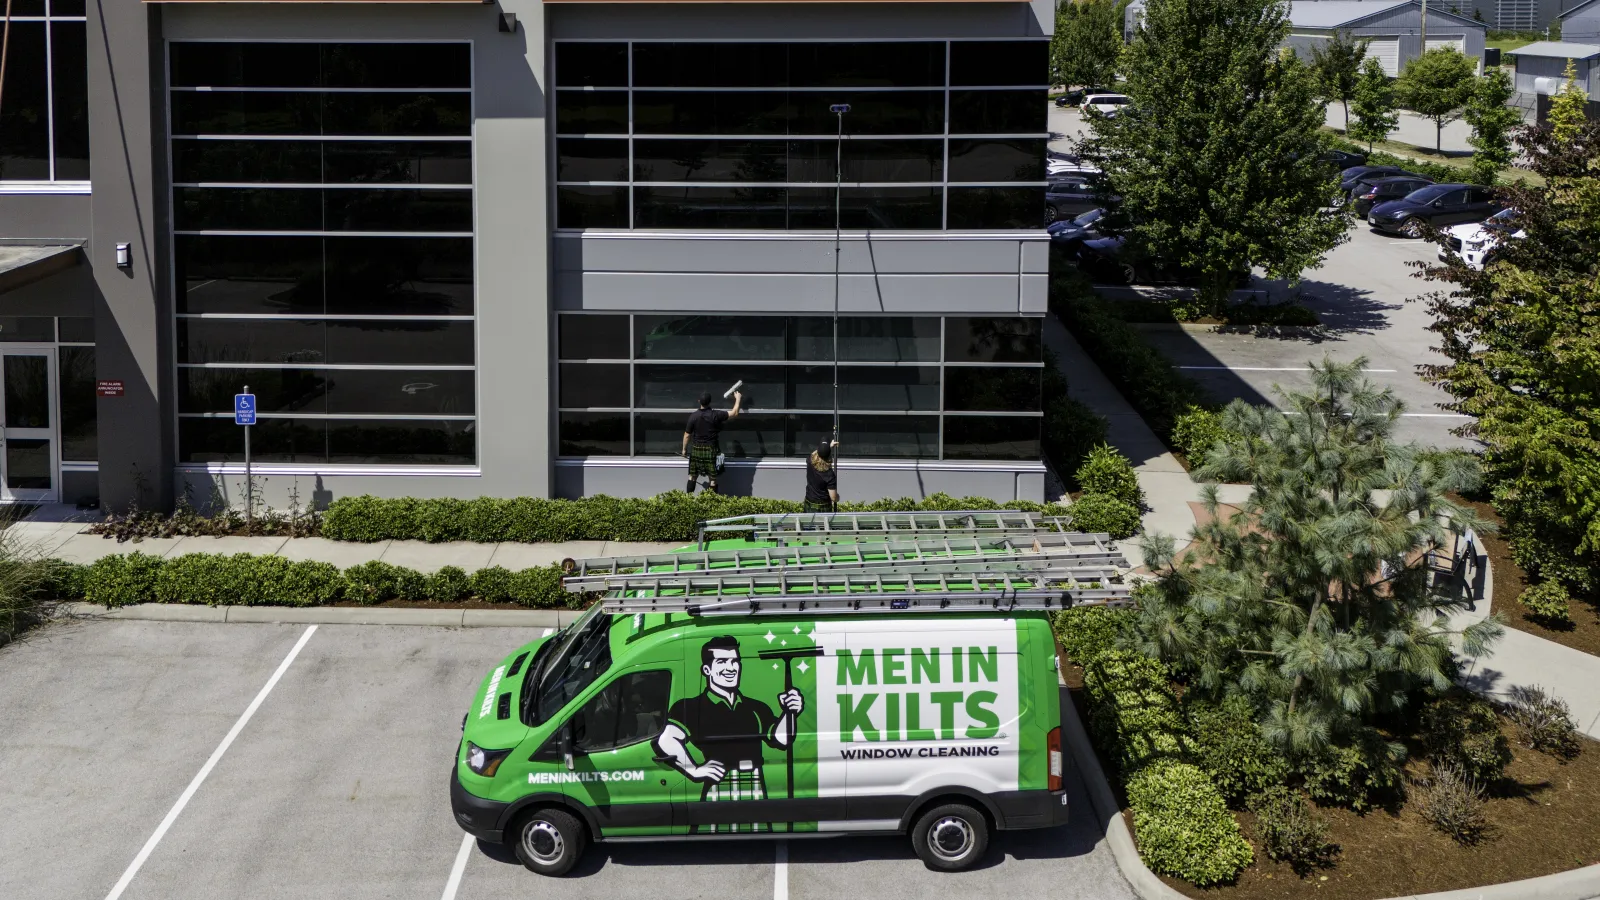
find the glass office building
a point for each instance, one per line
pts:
(458, 249)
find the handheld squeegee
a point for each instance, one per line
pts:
(729, 392)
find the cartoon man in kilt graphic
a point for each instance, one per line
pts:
(728, 729)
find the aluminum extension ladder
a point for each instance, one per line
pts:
(785, 528)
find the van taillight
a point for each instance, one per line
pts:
(1053, 744)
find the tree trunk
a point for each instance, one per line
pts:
(1346, 105)
(1438, 136)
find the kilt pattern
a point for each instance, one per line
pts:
(743, 783)
(703, 460)
(817, 507)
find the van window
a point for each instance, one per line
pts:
(629, 710)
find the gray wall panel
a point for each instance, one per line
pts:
(644, 252)
(773, 21)
(786, 479)
(985, 294)
(69, 293)
(1582, 27)
(44, 216)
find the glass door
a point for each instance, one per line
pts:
(27, 409)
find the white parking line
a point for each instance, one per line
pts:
(1269, 369)
(188, 792)
(1434, 416)
(780, 873)
(460, 867)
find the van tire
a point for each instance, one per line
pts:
(951, 837)
(549, 841)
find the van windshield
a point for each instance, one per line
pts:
(582, 653)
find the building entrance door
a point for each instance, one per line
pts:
(29, 469)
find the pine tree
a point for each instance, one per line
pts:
(1567, 116)
(1338, 67)
(1313, 602)
(1374, 103)
(1436, 85)
(1217, 158)
(1087, 42)
(1492, 125)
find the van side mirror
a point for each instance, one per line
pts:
(566, 746)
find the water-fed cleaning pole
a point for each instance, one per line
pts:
(838, 109)
(729, 392)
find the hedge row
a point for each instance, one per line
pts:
(1180, 818)
(671, 516)
(243, 579)
(1437, 171)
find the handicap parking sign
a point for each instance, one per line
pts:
(244, 409)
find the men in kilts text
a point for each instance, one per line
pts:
(728, 730)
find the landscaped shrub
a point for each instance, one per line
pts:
(1465, 733)
(1549, 603)
(1183, 827)
(1133, 714)
(409, 584)
(1229, 747)
(1543, 722)
(372, 582)
(491, 585)
(1437, 171)
(1196, 431)
(64, 580)
(1085, 632)
(122, 579)
(307, 583)
(448, 585)
(1359, 774)
(1108, 472)
(1071, 429)
(540, 588)
(205, 579)
(1289, 831)
(1103, 513)
(1452, 801)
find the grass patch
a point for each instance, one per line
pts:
(1411, 153)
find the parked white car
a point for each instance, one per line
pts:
(1105, 104)
(1475, 241)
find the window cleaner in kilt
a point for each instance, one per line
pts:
(701, 440)
(822, 479)
(728, 729)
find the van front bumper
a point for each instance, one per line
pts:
(478, 817)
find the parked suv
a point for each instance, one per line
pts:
(1437, 205)
(1106, 104)
(1069, 196)
(1349, 178)
(1477, 242)
(1382, 190)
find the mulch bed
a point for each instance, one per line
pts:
(1545, 817)
(1510, 581)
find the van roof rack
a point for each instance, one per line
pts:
(814, 528)
(1081, 556)
(784, 593)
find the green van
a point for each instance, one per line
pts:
(676, 726)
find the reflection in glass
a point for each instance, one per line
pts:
(408, 392)
(591, 159)
(709, 337)
(402, 113)
(591, 207)
(992, 389)
(237, 112)
(1011, 63)
(395, 162)
(879, 388)
(998, 112)
(79, 436)
(593, 385)
(28, 464)
(593, 434)
(591, 64)
(239, 340)
(997, 159)
(306, 64)
(399, 276)
(276, 390)
(991, 437)
(993, 340)
(402, 441)
(896, 208)
(679, 387)
(27, 328)
(234, 274)
(593, 337)
(889, 437)
(27, 391)
(994, 207)
(401, 342)
(76, 329)
(710, 112)
(799, 64)
(271, 440)
(592, 112)
(718, 207)
(69, 94)
(25, 114)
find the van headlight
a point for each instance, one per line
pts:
(485, 762)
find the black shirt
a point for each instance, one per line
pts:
(727, 733)
(819, 483)
(705, 425)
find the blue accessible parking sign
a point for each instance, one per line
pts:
(244, 409)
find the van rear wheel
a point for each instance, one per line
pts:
(950, 838)
(549, 841)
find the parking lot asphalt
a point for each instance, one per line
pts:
(336, 785)
(1366, 296)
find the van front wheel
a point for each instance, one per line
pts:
(549, 841)
(951, 837)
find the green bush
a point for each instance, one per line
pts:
(1360, 774)
(1437, 171)
(307, 583)
(491, 585)
(1085, 632)
(64, 580)
(372, 582)
(448, 585)
(1465, 733)
(1071, 428)
(409, 584)
(540, 588)
(1104, 513)
(1108, 472)
(1289, 831)
(1196, 431)
(1183, 827)
(1229, 747)
(122, 579)
(1133, 713)
(1549, 603)
(205, 579)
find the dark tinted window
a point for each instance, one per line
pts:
(242, 160)
(398, 113)
(896, 208)
(995, 159)
(233, 112)
(888, 388)
(592, 207)
(890, 437)
(1429, 194)
(631, 709)
(991, 437)
(997, 112)
(227, 274)
(583, 159)
(711, 112)
(238, 64)
(679, 387)
(678, 64)
(401, 442)
(76, 329)
(877, 112)
(685, 207)
(1012, 207)
(27, 328)
(709, 337)
(584, 64)
(424, 342)
(25, 113)
(900, 64)
(1479, 195)
(287, 64)
(1456, 197)
(421, 65)
(69, 91)
(396, 162)
(271, 440)
(408, 392)
(975, 63)
(593, 434)
(867, 339)
(594, 385)
(211, 390)
(79, 433)
(414, 342)
(593, 337)
(399, 276)
(993, 340)
(592, 112)
(706, 159)
(996, 389)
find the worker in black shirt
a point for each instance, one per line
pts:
(822, 478)
(704, 428)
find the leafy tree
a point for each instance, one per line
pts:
(1492, 125)
(1087, 42)
(1567, 116)
(1436, 85)
(1314, 601)
(1374, 100)
(1522, 337)
(1217, 157)
(1338, 67)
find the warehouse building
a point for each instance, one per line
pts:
(464, 249)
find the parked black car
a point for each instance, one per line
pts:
(1069, 195)
(1344, 159)
(1105, 261)
(1068, 233)
(1437, 205)
(1351, 176)
(1382, 190)
(1074, 95)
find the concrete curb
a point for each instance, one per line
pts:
(1266, 330)
(330, 615)
(1576, 884)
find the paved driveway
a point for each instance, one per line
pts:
(336, 785)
